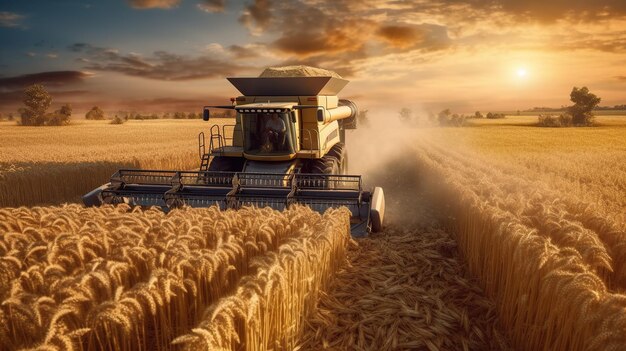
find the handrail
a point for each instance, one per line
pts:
(201, 145)
(220, 137)
(224, 135)
(215, 135)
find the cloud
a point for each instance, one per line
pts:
(541, 11)
(10, 19)
(53, 78)
(427, 37)
(242, 52)
(161, 65)
(154, 4)
(256, 16)
(550, 11)
(399, 36)
(344, 34)
(613, 42)
(212, 6)
(337, 34)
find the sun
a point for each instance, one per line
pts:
(522, 72)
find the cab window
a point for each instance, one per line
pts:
(268, 133)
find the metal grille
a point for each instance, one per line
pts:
(130, 176)
(264, 180)
(328, 181)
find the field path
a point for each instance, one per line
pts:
(404, 289)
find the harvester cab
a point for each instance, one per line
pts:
(287, 146)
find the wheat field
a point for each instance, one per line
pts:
(113, 278)
(53, 165)
(499, 236)
(539, 217)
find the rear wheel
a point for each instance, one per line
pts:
(325, 165)
(339, 152)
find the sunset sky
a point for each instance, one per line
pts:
(167, 55)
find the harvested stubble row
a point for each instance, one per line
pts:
(548, 297)
(112, 278)
(268, 310)
(404, 290)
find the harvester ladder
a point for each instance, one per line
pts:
(204, 164)
(216, 140)
(204, 157)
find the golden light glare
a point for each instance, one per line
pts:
(522, 72)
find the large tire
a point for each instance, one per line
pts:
(339, 152)
(226, 164)
(325, 165)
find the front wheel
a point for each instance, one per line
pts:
(339, 152)
(327, 165)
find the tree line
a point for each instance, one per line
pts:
(579, 114)
(445, 118)
(37, 101)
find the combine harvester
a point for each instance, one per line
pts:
(287, 146)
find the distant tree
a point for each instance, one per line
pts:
(444, 117)
(584, 103)
(11, 117)
(548, 120)
(405, 115)
(37, 101)
(565, 119)
(477, 114)
(1, 116)
(61, 116)
(457, 120)
(491, 115)
(95, 113)
(66, 110)
(118, 120)
(167, 115)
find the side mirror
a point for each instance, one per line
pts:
(205, 114)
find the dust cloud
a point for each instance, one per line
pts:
(382, 152)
